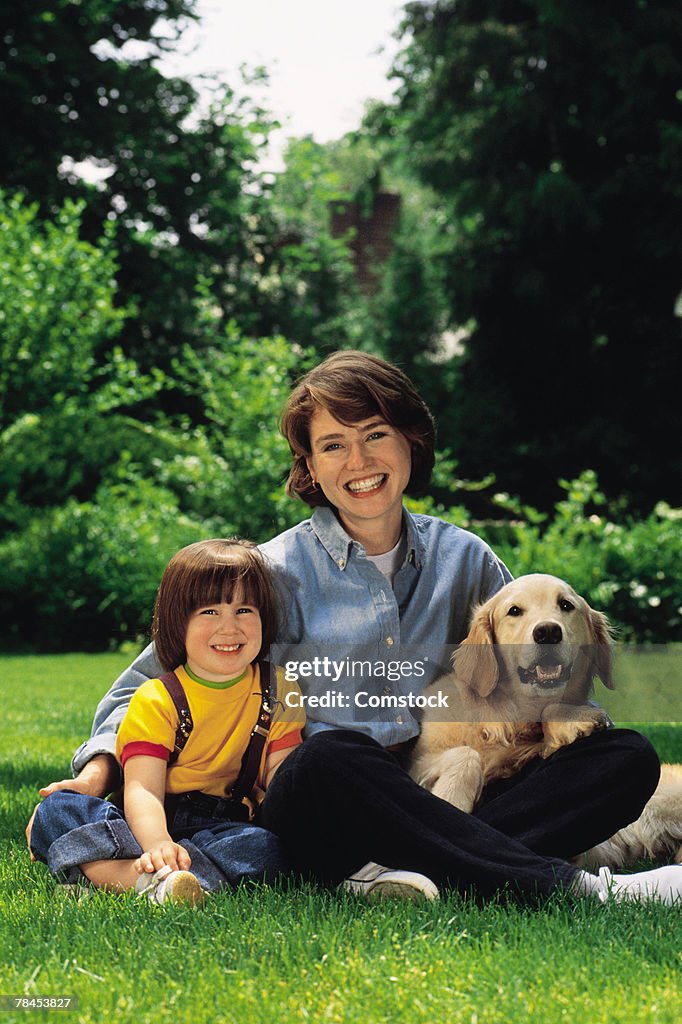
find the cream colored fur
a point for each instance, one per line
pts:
(491, 713)
(496, 722)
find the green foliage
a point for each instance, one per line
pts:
(85, 574)
(64, 401)
(310, 291)
(230, 468)
(86, 113)
(546, 130)
(627, 568)
(56, 307)
(98, 485)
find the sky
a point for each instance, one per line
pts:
(323, 56)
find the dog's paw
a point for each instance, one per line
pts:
(565, 725)
(455, 776)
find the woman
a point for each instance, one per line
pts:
(363, 571)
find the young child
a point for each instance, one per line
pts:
(198, 747)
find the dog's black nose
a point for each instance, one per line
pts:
(547, 633)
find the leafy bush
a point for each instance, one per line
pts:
(85, 574)
(629, 569)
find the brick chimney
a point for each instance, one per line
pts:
(371, 242)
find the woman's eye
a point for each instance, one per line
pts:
(565, 605)
(376, 434)
(515, 610)
(331, 447)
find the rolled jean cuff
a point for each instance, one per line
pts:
(101, 840)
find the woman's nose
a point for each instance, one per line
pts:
(357, 456)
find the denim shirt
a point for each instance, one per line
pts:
(336, 601)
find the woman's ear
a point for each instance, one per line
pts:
(474, 661)
(602, 659)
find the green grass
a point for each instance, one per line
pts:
(302, 954)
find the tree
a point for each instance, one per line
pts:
(551, 130)
(80, 85)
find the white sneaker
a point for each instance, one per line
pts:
(170, 886)
(663, 885)
(376, 882)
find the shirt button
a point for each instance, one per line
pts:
(400, 720)
(389, 641)
(387, 690)
(341, 563)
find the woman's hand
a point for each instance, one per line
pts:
(163, 852)
(97, 778)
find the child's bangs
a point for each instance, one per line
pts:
(217, 583)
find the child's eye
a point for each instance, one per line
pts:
(207, 611)
(245, 610)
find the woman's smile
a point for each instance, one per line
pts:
(366, 485)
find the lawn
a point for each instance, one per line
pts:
(300, 955)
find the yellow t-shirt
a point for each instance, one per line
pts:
(223, 721)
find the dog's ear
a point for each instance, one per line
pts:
(602, 658)
(474, 660)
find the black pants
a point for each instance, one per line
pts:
(341, 800)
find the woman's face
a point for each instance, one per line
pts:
(362, 469)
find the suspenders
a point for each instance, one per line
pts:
(251, 759)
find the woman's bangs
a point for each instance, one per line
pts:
(349, 407)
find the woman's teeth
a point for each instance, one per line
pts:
(368, 484)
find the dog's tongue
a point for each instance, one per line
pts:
(548, 671)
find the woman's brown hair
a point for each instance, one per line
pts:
(206, 573)
(354, 386)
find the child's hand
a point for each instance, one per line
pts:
(165, 852)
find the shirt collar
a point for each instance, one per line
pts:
(338, 544)
(331, 535)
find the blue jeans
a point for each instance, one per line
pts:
(71, 829)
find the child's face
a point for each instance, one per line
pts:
(223, 639)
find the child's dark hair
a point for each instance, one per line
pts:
(206, 573)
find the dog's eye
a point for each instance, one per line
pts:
(565, 605)
(515, 610)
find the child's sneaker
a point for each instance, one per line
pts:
(167, 886)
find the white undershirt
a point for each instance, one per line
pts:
(390, 561)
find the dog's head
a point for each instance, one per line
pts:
(540, 638)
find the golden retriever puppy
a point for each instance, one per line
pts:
(519, 688)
